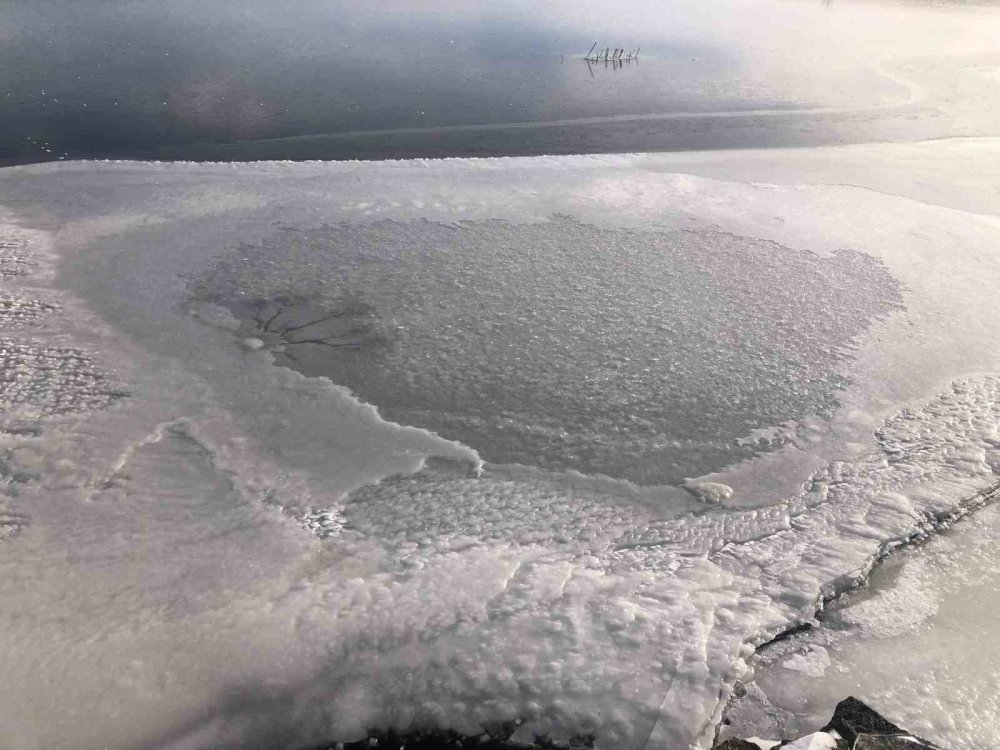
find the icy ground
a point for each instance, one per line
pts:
(202, 546)
(920, 640)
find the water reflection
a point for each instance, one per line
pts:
(615, 64)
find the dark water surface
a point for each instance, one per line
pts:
(331, 79)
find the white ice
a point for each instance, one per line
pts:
(213, 550)
(918, 642)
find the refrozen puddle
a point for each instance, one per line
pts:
(236, 554)
(918, 641)
(634, 354)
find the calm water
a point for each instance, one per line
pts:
(327, 79)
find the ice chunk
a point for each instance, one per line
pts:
(815, 741)
(711, 492)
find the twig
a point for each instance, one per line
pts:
(335, 314)
(281, 309)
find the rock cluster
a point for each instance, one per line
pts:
(854, 726)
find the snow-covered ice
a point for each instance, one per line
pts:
(918, 641)
(211, 547)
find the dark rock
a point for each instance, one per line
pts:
(855, 726)
(853, 718)
(734, 744)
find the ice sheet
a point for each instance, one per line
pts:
(635, 354)
(918, 642)
(234, 552)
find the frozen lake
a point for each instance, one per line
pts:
(209, 541)
(296, 451)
